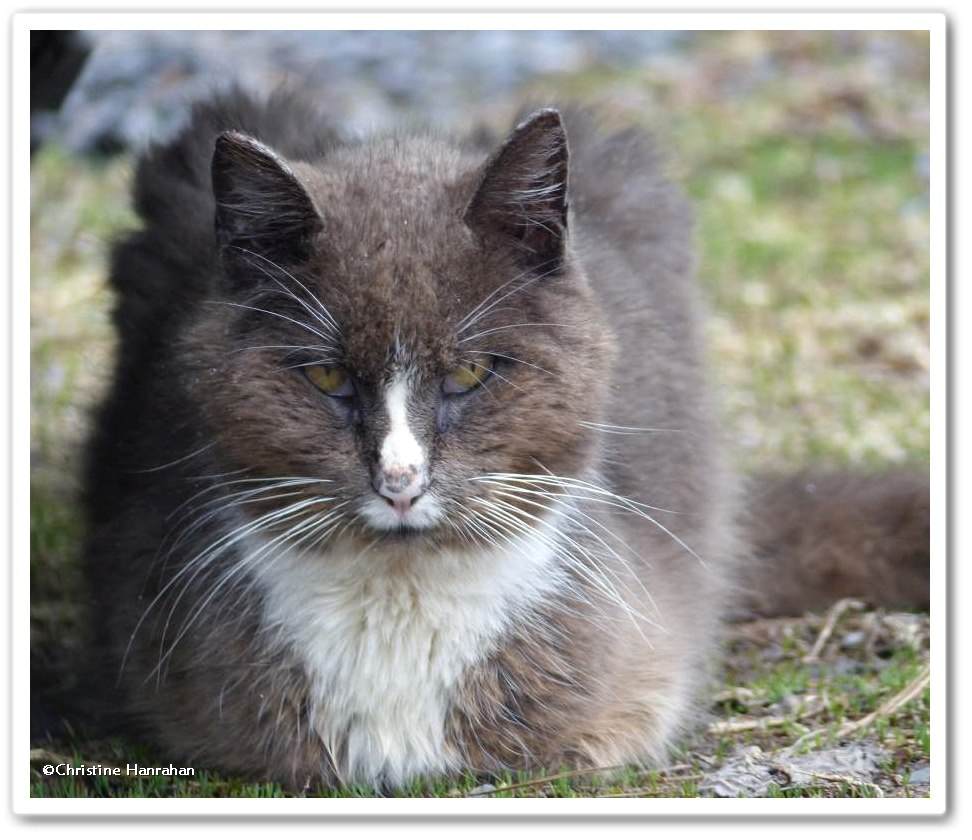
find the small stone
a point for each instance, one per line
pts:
(482, 790)
(920, 776)
(844, 665)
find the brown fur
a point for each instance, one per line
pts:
(820, 536)
(401, 237)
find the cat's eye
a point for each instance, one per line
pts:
(468, 376)
(333, 381)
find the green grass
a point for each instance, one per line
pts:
(812, 231)
(752, 672)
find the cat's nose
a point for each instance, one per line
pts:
(401, 487)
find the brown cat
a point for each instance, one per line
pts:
(410, 468)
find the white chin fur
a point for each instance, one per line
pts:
(426, 512)
(385, 644)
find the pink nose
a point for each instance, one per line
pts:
(401, 487)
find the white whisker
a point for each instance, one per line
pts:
(620, 430)
(479, 312)
(492, 330)
(177, 461)
(270, 312)
(322, 314)
(595, 572)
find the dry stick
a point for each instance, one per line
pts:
(886, 709)
(833, 615)
(813, 707)
(583, 771)
(738, 693)
(41, 754)
(732, 727)
(643, 791)
(889, 707)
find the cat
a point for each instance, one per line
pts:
(410, 466)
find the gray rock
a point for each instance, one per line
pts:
(482, 790)
(137, 86)
(750, 771)
(920, 775)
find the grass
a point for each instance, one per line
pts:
(807, 170)
(903, 735)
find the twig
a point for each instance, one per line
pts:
(636, 792)
(567, 774)
(814, 706)
(732, 727)
(738, 694)
(906, 695)
(886, 709)
(41, 754)
(833, 615)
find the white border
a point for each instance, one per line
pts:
(452, 20)
(20, 405)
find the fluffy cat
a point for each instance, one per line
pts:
(409, 467)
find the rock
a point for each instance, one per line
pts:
(750, 771)
(482, 790)
(137, 85)
(745, 773)
(920, 775)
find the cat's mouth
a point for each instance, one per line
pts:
(406, 533)
(422, 516)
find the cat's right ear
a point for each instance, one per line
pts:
(522, 192)
(261, 207)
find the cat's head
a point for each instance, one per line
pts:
(405, 326)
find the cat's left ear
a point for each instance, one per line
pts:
(523, 191)
(261, 206)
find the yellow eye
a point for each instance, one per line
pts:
(333, 381)
(468, 376)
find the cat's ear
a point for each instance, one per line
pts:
(523, 191)
(261, 206)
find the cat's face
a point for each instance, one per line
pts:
(415, 338)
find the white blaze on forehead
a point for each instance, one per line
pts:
(400, 449)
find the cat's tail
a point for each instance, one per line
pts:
(818, 537)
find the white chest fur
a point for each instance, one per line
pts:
(385, 638)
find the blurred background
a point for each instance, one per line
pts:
(805, 154)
